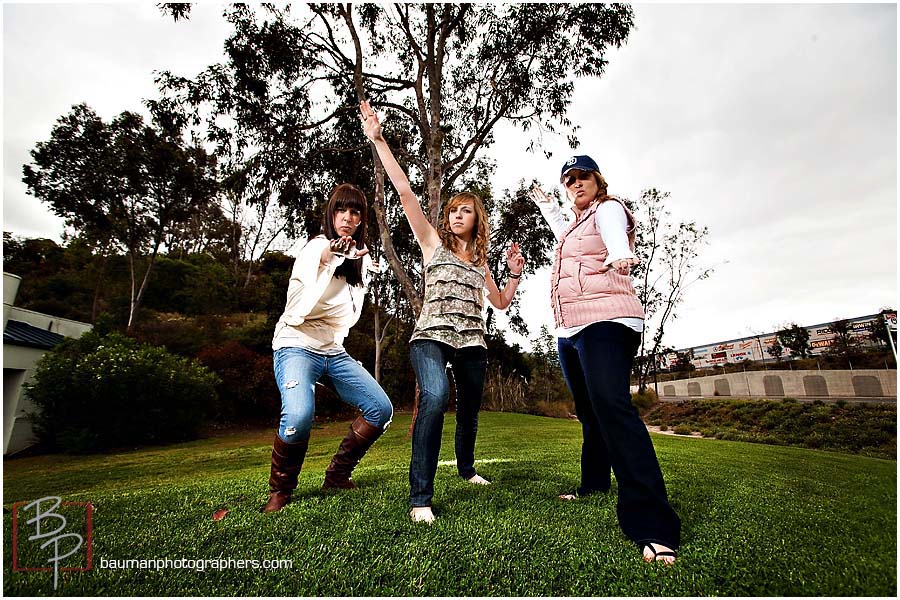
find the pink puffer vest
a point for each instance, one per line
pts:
(582, 291)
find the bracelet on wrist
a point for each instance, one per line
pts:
(515, 275)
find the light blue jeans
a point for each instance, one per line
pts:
(296, 372)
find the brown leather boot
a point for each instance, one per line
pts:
(287, 460)
(359, 439)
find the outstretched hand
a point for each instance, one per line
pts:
(346, 246)
(538, 196)
(514, 259)
(371, 125)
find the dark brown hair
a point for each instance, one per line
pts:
(347, 196)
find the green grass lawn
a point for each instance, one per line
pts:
(757, 520)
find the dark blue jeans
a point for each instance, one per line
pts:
(429, 361)
(596, 364)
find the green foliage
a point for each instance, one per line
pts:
(644, 400)
(256, 333)
(776, 350)
(174, 332)
(195, 285)
(755, 520)
(100, 392)
(796, 339)
(247, 391)
(879, 333)
(526, 382)
(845, 344)
(64, 281)
(123, 185)
(683, 361)
(869, 429)
(445, 52)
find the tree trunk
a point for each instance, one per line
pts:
(131, 303)
(390, 254)
(99, 285)
(379, 332)
(265, 249)
(136, 301)
(387, 244)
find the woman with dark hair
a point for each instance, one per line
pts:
(450, 328)
(599, 321)
(324, 299)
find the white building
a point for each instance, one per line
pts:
(756, 347)
(27, 335)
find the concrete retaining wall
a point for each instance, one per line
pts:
(863, 383)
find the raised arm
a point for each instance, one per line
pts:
(550, 211)
(516, 262)
(425, 234)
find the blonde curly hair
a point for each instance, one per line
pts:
(480, 235)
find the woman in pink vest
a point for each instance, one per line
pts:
(599, 320)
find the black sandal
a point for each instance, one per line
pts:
(657, 553)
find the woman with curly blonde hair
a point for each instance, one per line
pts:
(450, 328)
(452, 241)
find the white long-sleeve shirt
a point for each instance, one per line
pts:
(320, 308)
(612, 225)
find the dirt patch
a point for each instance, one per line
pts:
(656, 429)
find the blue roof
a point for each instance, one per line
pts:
(18, 333)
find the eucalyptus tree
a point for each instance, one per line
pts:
(775, 350)
(669, 254)
(123, 185)
(443, 75)
(795, 338)
(845, 343)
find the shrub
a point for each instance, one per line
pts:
(247, 390)
(552, 408)
(100, 392)
(255, 333)
(643, 401)
(176, 333)
(860, 428)
(682, 430)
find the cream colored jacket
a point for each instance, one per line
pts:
(320, 308)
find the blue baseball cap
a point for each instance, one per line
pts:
(581, 162)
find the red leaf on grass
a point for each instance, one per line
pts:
(220, 514)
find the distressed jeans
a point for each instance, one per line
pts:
(596, 364)
(296, 372)
(429, 361)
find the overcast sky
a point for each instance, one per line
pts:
(773, 125)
